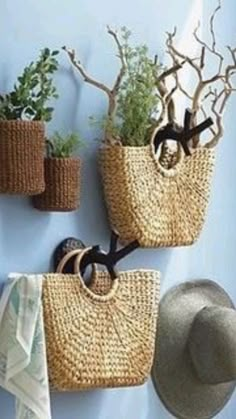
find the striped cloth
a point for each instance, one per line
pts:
(23, 368)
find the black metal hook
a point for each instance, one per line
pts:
(94, 255)
(109, 259)
(172, 131)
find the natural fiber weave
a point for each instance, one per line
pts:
(102, 336)
(22, 148)
(62, 178)
(151, 201)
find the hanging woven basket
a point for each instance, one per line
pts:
(102, 336)
(22, 148)
(159, 201)
(62, 192)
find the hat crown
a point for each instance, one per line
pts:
(212, 343)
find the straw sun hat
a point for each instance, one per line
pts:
(194, 369)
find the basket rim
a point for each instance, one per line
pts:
(155, 157)
(21, 122)
(172, 172)
(61, 159)
(93, 297)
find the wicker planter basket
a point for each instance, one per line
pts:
(148, 201)
(22, 147)
(62, 192)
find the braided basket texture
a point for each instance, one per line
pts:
(22, 147)
(62, 178)
(153, 200)
(102, 336)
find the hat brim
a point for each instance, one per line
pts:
(173, 375)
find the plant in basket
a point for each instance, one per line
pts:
(62, 175)
(133, 99)
(23, 112)
(160, 199)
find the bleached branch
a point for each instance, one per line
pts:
(110, 92)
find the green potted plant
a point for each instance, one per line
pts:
(133, 101)
(23, 113)
(62, 175)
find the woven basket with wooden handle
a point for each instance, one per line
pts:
(101, 336)
(159, 201)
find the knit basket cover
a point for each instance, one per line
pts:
(22, 147)
(153, 200)
(62, 192)
(101, 336)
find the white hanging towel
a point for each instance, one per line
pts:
(23, 366)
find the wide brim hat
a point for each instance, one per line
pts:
(173, 373)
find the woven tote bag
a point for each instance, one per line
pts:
(161, 201)
(103, 335)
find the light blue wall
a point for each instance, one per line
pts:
(27, 238)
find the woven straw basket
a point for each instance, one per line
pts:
(102, 336)
(62, 178)
(159, 201)
(22, 147)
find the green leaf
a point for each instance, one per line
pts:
(29, 111)
(46, 52)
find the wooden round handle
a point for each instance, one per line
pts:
(79, 253)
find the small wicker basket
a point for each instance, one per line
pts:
(22, 148)
(62, 192)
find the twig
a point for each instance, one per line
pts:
(171, 70)
(212, 48)
(202, 59)
(110, 92)
(205, 116)
(80, 68)
(121, 56)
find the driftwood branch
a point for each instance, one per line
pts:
(110, 92)
(169, 71)
(121, 56)
(179, 55)
(204, 113)
(176, 74)
(212, 92)
(166, 96)
(211, 48)
(216, 89)
(88, 79)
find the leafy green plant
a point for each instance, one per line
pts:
(137, 100)
(133, 99)
(62, 146)
(34, 88)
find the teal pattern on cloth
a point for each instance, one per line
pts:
(23, 365)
